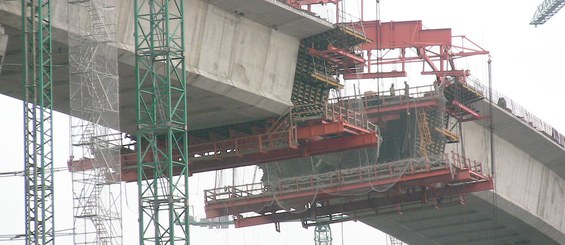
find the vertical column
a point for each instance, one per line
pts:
(38, 125)
(162, 140)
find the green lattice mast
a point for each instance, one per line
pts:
(38, 125)
(162, 122)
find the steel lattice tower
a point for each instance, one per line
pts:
(162, 122)
(38, 125)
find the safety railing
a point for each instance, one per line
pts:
(461, 162)
(358, 119)
(332, 112)
(239, 191)
(371, 99)
(244, 145)
(353, 23)
(518, 111)
(392, 170)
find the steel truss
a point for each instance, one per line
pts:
(546, 10)
(162, 140)
(94, 103)
(38, 124)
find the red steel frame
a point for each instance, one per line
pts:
(339, 130)
(435, 48)
(340, 58)
(466, 109)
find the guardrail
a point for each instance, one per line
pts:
(374, 172)
(371, 99)
(519, 111)
(245, 145)
(332, 112)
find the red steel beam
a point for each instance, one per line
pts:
(387, 74)
(466, 109)
(352, 57)
(361, 137)
(445, 73)
(402, 34)
(129, 161)
(320, 130)
(401, 106)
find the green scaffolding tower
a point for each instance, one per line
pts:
(38, 125)
(162, 139)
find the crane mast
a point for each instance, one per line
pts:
(162, 139)
(38, 124)
(546, 10)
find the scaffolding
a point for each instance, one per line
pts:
(38, 124)
(3, 46)
(94, 103)
(323, 235)
(162, 139)
(394, 240)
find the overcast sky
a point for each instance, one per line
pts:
(527, 66)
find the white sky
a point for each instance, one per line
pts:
(527, 64)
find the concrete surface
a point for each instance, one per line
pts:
(241, 59)
(527, 206)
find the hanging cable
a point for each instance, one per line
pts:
(491, 127)
(491, 132)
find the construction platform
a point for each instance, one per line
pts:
(338, 196)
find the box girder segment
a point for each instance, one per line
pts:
(38, 125)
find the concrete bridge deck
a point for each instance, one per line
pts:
(241, 58)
